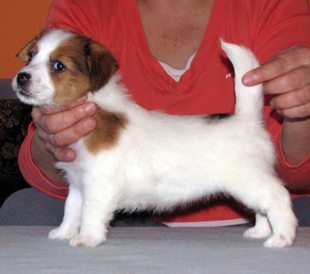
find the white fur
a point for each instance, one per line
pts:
(161, 161)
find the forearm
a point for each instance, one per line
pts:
(293, 164)
(296, 140)
(45, 161)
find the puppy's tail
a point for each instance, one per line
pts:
(249, 100)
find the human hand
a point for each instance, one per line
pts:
(58, 127)
(287, 76)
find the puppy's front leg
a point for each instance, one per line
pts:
(72, 217)
(99, 204)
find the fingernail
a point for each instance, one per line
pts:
(90, 108)
(90, 124)
(247, 79)
(67, 156)
(82, 99)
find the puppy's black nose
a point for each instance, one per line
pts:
(23, 78)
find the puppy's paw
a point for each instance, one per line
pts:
(257, 233)
(279, 241)
(284, 232)
(61, 233)
(87, 240)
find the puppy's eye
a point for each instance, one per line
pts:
(58, 66)
(31, 54)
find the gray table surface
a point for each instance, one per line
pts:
(151, 250)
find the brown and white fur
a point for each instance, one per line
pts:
(137, 159)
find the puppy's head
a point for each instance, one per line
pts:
(62, 66)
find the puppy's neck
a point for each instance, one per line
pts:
(112, 96)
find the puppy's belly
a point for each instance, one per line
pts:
(163, 192)
(143, 189)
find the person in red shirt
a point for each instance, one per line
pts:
(170, 60)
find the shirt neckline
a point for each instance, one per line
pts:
(209, 42)
(176, 74)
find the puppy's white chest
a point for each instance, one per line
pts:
(75, 171)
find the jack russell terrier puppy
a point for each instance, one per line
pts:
(146, 160)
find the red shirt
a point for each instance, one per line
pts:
(265, 26)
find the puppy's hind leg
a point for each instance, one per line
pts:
(272, 203)
(261, 229)
(282, 220)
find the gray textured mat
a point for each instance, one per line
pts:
(151, 250)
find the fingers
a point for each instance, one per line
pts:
(52, 120)
(293, 80)
(52, 123)
(280, 64)
(71, 134)
(64, 154)
(292, 99)
(55, 109)
(60, 127)
(287, 76)
(302, 111)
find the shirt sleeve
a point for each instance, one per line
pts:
(295, 177)
(97, 20)
(74, 18)
(31, 172)
(283, 24)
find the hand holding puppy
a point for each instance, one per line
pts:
(56, 129)
(287, 76)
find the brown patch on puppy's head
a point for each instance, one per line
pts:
(88, 66)
(102, 65)
(69, 70)
(79, 65)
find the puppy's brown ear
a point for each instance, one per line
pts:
(24, 54)
(102, 64)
